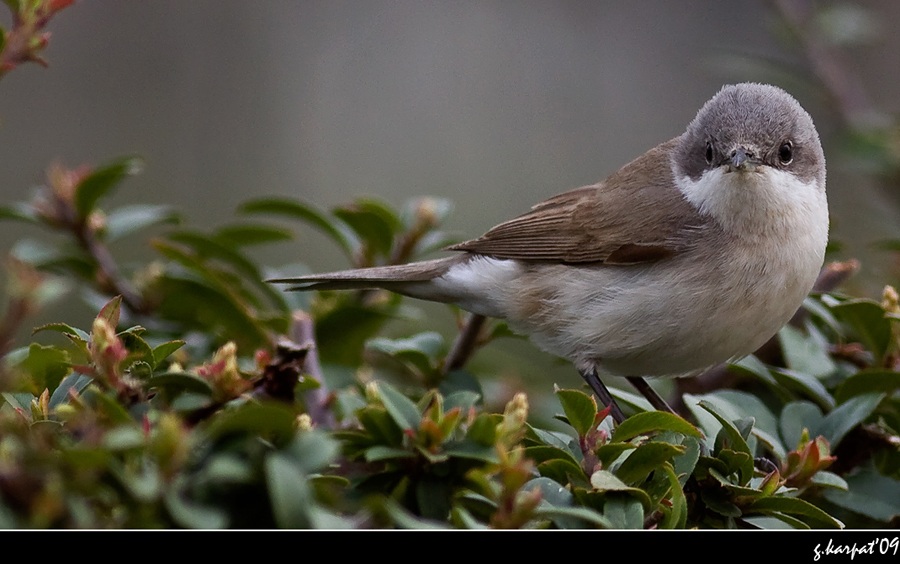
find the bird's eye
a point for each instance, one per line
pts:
(709, 153)
(786, 153)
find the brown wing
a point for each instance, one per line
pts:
(635, 215)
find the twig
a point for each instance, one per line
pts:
(302, 332)
(465, 344)
(107, 269)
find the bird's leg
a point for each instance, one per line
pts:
(654, 398)
(593, 380)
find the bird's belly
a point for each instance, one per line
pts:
(666, 319)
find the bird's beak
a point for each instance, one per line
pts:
(743, 158)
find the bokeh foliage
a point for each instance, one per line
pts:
(200, 396)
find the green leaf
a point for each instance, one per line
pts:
(374, 223)
(192, 515)
(339, 232)
(421, 352)
(127, 220)
(402, 410)
(289, 492)
(64, 328)
(868, 493)
(735, 440)
(624, 513)
(805, 384)
(846, 416)
(605, 481)
(795, 417)
(274, 420)
(178, 382)
(563, 471)
(650, 422)
(826, 479)
(805, 354)
(868, 381)
(163, 350)
(46, 366)
(580, 410)
(73, 383)
(752, 366)
(242, 235)
(675, 517)
(645, 459)
(19, 211)
(867, 319)
(101, 181)
(802, 509)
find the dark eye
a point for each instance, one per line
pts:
(786, 153)
(709, 153)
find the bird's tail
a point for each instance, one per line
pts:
(395, 278)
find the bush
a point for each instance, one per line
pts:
(201, 397)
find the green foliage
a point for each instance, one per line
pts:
(201, 397)
(197, 399)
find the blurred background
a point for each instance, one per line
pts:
(495, 105)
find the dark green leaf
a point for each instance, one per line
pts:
(484, 429)
(289, 492)
(211, 309)
(624, 513)
(805, 354)
(580, 410)
(471, 450)
(645, 459)
(379, 453)
(73, 383)
(735, 440)
(605, 481)
(805, 384)
(163, 350)
(339, 232)
(653, 422)
(795, 417)
(563, 471)
(675, 516)
(797, 507)
(402, 410)
(178, 382)
(374, 223)
(138, 349)
(270, 419)
(867, 319)
(242, 235)
(868, 381)
(869, 493)
(101, 181)
(847, 416)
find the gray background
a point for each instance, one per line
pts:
(495, 105)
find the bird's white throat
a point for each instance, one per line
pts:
(765, 202)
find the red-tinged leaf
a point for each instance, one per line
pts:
(110, 311)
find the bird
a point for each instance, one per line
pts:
(693, 254)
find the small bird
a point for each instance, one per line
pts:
(693, 254)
